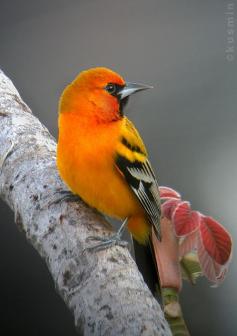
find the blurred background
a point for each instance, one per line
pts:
(188, 122)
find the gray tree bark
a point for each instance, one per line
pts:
(104, 290)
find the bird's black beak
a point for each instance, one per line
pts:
(131, 88)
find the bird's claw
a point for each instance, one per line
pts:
(105, 242)
(102, 239)
(64, 195)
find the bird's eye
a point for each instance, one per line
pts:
(111, 88)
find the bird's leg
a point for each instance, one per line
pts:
(106, 242)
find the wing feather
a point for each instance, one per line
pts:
(131, 160)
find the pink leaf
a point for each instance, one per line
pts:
(168, 207)
(222, 271)
(188, 244)
(185, 220)
(166, 193)
(206, 262)
(210, 268)
(216, 240)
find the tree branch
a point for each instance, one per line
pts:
(104, 290)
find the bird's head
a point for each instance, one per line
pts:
(99, 94)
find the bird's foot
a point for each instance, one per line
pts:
(63, 195)
(106, 242)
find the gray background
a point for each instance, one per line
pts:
(188, 122)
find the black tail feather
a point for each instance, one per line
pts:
(147, 266)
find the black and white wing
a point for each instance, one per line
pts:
(131, 160)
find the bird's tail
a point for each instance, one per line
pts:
(147, 265)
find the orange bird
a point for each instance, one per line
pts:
(101, 156)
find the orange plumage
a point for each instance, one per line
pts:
(101, 156)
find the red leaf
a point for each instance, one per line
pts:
(185, 220)
(168, 207)
(216, 240)
(166, 192)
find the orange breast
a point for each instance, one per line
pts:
(85, 159)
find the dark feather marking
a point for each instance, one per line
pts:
(122, 163)
(122, 102)
(127, 144)
(142, 188)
